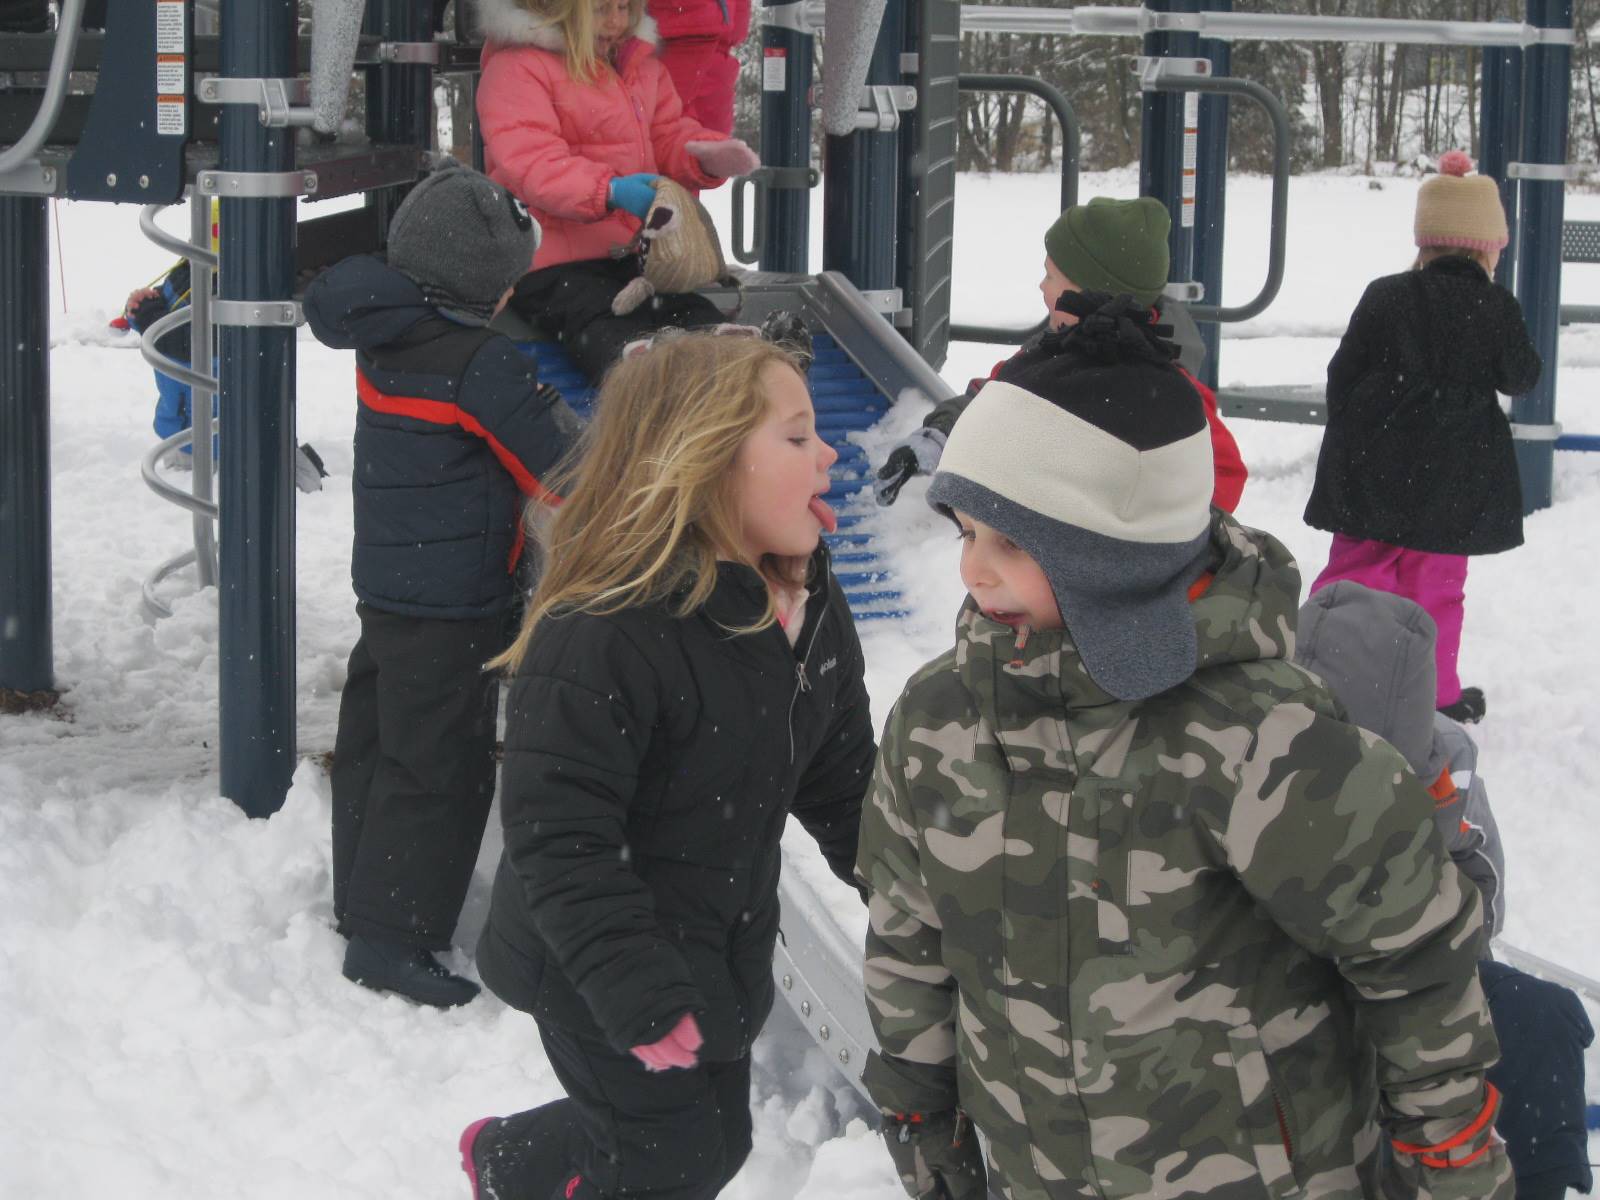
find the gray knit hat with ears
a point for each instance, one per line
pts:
(463, 239)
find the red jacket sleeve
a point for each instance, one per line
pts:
(531, 159)
(1229, 464)
(671, 129)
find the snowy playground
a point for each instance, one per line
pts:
(175, 1021)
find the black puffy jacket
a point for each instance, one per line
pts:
(650, 764)
(1418, 452)
(453, 434)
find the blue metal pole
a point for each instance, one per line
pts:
(256, 603)
(1162, 169)
(1211, 190)
(399, 95)
(860, 178)
(26, 654)
(786, 75)
(1547, 80)
(1500, 139)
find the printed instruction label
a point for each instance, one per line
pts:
(775, 69)
(171, 115)
(169, 74)
(1191, 156)
(169, 27)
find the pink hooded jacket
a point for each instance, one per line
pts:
(556, 143)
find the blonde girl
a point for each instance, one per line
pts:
(687, 674)
(579, 118)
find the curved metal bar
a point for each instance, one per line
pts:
(155, 607)
(1071, 141)
(167, 491)
(182, 372)
(55, 89)
(171, 241)
(201, 274)
(1279, 233)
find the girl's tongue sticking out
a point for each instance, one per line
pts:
(823, 512)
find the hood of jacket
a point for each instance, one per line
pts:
(363, 302)
(1245, 614)
(510, 24)
(1374, 650)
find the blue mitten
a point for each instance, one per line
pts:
(633, 193)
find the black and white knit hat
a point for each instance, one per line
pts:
(1092, 454)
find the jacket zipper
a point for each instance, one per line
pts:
(801, 682)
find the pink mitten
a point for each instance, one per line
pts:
(726, 158)
(677, 1049)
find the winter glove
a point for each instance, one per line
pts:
(677, 1049)
(1470, 1163)
(725, 158)
(633, 193)
(144, 308)
(916, 455)
(936, 1155)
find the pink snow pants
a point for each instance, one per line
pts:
(706, 74)
(1435, 581)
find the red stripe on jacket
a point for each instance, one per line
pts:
(441, 412)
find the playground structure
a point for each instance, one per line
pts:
(228, 99)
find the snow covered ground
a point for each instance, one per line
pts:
(172, 1018)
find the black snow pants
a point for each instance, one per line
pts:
(624, 1131)
(1543, 1032)
(571, 302)
(413, 773)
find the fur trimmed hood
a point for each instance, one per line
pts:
(511, 24)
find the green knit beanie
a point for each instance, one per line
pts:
(1113, 246)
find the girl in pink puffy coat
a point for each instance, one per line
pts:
(579, 117)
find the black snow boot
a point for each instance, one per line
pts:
(1469, 709)
(406, 970)
(501, 1156)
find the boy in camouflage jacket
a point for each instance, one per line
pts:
(1142, 906)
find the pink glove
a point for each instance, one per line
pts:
(677, 1049)
(726, 158)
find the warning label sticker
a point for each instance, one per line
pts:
(775, 70)
(169, 27)
(171, 115)
(169, 74)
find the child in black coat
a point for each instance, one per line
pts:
(688, 673)
(1417, 469)
(453, 436)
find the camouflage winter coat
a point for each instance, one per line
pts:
(1135, 941)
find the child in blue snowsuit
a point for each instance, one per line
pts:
(1375, 650)
(146, 306)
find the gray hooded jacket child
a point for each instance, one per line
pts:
(1374, 650)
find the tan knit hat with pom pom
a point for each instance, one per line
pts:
(1457, 209)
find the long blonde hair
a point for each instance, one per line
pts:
(575, 20)
(650, 503)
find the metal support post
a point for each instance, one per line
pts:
(1547, 80)
(1211, 189)
(860, 200)
(399, 95)
(786, 74)
(201, 277)
(1168, 148)
(256, 614)
(1500, 140)
(26, 652)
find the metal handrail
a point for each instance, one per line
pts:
(148, 468)
(171, 241)
(1277, 248)
(166, 364)
(55, 90)
(1071, 140)
(1230, 26)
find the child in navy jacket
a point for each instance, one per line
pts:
(1375, 651)
(453, 436)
